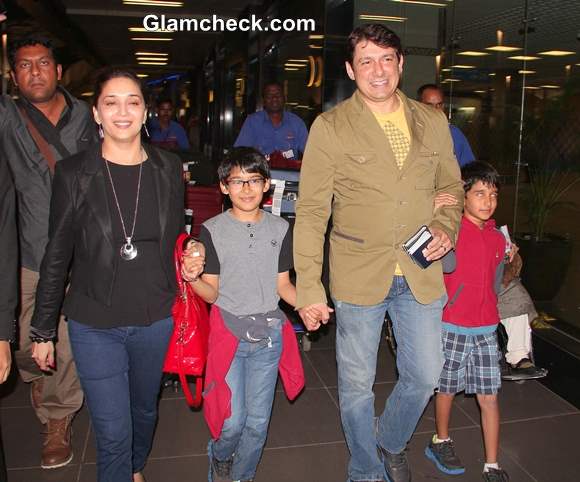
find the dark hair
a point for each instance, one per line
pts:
(375, 33)
(479, 171)
(109, 73)
(247, 159)
(29, 41)
(271, 83)
(425, 87)
(165, 100)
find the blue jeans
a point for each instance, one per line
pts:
(252, 381)
(120, 373)
(417, 329)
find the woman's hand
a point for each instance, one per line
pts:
(193, 261)
(512, 252)
(5, 360)
(443, 199)
(43, 355)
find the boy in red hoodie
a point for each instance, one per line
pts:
(470, 320)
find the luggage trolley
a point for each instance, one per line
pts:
(281, 201)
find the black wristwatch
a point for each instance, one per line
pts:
(39, 339)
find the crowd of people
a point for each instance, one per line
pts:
(90, 213)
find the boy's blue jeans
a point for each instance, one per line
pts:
(252, 381)
(120, 372)
(417, 329)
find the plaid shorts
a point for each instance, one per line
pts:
(471, 364)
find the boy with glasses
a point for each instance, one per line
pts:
(248, 259)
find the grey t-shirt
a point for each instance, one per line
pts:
(247, 257)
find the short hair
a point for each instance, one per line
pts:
(476, 171)
(272, 82)
(247, 159)
(29, 41)
(375, 33)
(165, 100)
(425, 87)
(109, 73)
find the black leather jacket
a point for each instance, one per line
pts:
(80, 223)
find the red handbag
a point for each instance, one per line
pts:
(187, 352)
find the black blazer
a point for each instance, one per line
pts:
(80, 223)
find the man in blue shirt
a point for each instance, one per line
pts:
(274, 129)
(167, 133)
(432, 95)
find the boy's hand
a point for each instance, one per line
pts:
(443, 199)
(313, 316)
(439, 245)
(193, 261)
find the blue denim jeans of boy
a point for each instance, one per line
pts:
(252, 381)
(417, 330)
(120, 372)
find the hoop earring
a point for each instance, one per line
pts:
(101, 132)
(146, 130)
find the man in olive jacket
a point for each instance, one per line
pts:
(375, 162)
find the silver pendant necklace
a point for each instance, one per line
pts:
(128, 249)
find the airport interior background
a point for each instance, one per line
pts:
(510, 71)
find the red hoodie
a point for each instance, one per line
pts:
(472, 298)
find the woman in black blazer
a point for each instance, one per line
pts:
(116, 212)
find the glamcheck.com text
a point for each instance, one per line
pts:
(213, 23)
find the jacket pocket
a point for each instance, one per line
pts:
(348, 237)
(458, 291)
(361, 157)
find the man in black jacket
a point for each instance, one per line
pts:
(45, 125)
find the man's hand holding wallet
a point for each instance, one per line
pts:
(427, 245)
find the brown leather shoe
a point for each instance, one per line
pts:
(57, 449)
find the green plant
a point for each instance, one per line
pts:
(547, 187)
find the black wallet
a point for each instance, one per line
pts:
(415, 245)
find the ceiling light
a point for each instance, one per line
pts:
(461, 66)
(144, 30)
(152, 39)
(160, 54)
(294, 65)
(142, 76)
(473, 53)
(492, 74)
(152, 63)
(550, 86)
(502, 48)
(557, 53)
(154, 59)
(312, 46)
(290, 68)
(467, 109)
(153, 3)
(479, 91)
(298, 60)
(87, 94)
(383, 18)
(421, 2)
(523, 57)
(531, 87)
(450, 80)
(526, 72)
(316, 37)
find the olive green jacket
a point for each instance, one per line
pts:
(349, 171)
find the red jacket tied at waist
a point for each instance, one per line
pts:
(221, 351)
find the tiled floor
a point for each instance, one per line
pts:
(305, 443)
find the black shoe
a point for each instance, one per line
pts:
(524, 370)
(443, 455)
(397, 466)
(495, 475)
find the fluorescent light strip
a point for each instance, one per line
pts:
(526, 72)
(152, 63)
(142, 76)
(557, 53)
(502, 48)
(549, 86)
(298, 60)
(290, 68)
(154, 59)
(420, 2)
(450, 80)
(152, 39)
(460, 66)
(312, 46)
(294, 65)
(524, 57)
(153, 53)
(144, 30)
(87, 94)
(473, 53)
(316, 37)
(153, 3)
(479, 91)
(383, 18)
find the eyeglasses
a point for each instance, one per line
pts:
(254, 182)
